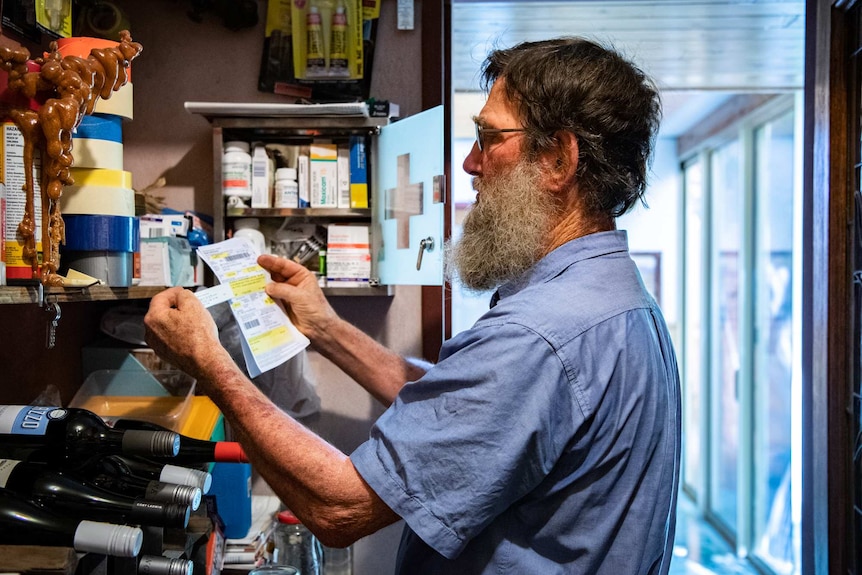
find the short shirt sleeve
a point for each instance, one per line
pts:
(482, 428)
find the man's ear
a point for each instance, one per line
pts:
(561, 162)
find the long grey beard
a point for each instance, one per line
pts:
(505, 233)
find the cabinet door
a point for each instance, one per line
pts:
(408, 200)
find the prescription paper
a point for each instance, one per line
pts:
(268, 336)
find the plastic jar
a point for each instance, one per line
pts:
(296, 546)
(249, 228)
(236, 170)
(286, 188)
(337, 560)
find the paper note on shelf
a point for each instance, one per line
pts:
(268, 336)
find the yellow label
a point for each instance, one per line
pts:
(265, 342)
(248, 285)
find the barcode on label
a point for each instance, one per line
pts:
(157, 232)
(252, 323)
(234, 257)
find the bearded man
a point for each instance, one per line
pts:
(546, 439)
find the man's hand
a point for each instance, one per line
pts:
(181, 330)
(298, 289)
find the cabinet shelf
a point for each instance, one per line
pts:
(359, 291)
(28, 294)
(328, 213)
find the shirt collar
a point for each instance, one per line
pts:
(571, 252)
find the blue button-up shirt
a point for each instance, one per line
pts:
(547, 438)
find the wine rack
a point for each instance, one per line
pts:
(190, 543)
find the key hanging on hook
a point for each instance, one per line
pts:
(54, 309)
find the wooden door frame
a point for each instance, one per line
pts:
(437, 90)
(831, 152)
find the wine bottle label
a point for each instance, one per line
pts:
(6, 467)
(28, 419)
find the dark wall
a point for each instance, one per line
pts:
(185, 60)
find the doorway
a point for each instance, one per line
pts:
(741, 393)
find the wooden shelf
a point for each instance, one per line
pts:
(22, 294)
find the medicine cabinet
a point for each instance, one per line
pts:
(406, 186)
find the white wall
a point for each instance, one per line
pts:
(657, 228)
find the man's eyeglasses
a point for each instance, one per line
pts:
(481, 132)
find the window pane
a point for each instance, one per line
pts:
(727, 241)
(467, 306)
(774, 170)
(693, 463)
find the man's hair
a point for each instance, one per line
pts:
(610, 105)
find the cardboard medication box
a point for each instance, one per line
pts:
(324, 175)
(348, 256)
(358, 173)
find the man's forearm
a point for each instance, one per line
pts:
(379, 370)
(315, 480)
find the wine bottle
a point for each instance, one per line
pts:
(192, 451)
(63, 492)
(156, 565)
(54, 434)
(113, 473)
(154, 470)
(25, 523)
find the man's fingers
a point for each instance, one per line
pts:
(282, 269)
(166, 299)
(279, 290)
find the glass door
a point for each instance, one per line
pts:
(725, 361)
(774, 527)
(694, 367)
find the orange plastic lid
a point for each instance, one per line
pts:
(230, 452)
(288, 517)
(81, 46)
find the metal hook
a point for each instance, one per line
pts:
(51, 337)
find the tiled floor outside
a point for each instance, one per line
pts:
(699, 550)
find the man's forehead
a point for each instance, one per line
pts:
(497, 107)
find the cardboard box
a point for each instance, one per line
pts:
(167, 261)
(13, 174)
(303, 179)
(358, 173)
(323, 165)
(343, 165)
(348, 256)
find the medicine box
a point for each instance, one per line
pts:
(343, 175)
(324, 175)
(303, 178)
(358, 173)
(348, 256)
